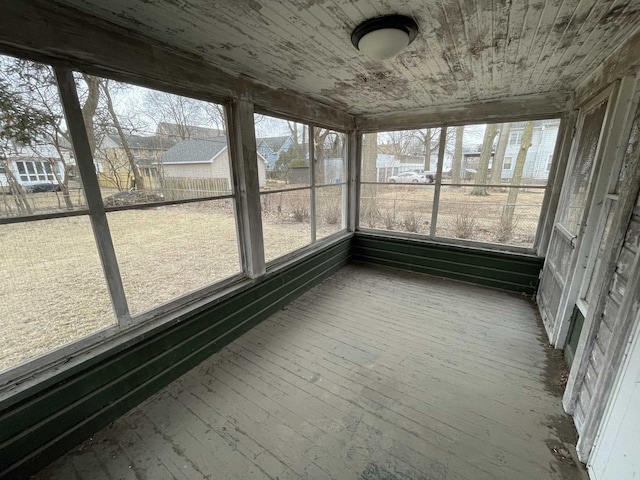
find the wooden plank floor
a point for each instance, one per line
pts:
(374, 374)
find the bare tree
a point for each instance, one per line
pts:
(498, 158)
(139, 179)
(39, 89)
(185, 114)
(369, 157)
(516, 180)
(485, 156)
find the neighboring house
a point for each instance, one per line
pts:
(34, 166)
(113, 167)
(31, 172)
(540, 154)
(203, 159)
(271, 147)
(179, 132)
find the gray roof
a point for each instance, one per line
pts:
(189, 151)
(273, 143)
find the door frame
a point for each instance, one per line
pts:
(587, 230)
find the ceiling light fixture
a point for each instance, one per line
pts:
(384, 37)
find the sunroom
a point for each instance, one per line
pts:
(363, 240)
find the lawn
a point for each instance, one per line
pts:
(408, 208)
(52, 289)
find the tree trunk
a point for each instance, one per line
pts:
(17, 192)
(456, 167)
(509, 209)
(89, 108)
(123, 139)
(320, 136)
(485, 156)
(427, 150)
(498, 158)
(369, 157)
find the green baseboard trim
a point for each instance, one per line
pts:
(43, 426)
(503, 270)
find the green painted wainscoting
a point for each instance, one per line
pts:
(506, 271)
(41, 424)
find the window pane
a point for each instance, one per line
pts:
(508, 216)
(153, 146)
(576, 188)
(496, 154)
(329, 208)
(387, 155)
(401, 208)
(32, 101)
(285, 222)
(52, 292)
(330, 156)
(170, 251)
(283, 147)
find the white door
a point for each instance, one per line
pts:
(616, 453)
(557, 293)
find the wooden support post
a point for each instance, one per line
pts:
(312, 182)
(244, 167)
(87, 171)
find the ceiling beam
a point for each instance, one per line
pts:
(526, 107)
(46, 32)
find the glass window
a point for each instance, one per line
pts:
(62, 283)
(152, 147)
(167, 252)
(330, 203)
(508, 161)
(288, 195)
(330, 156)
(493, 181)
(286, 222)
(283, 149)
(31, 100)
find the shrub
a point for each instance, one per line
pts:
(412, 222)
(389, 220)
(506, 228)
(465, 223)
(300, 212)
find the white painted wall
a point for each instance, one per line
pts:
(616, 453)
(218, 168)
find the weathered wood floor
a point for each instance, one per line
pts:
(374, 374)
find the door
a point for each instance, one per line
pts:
(561, 278)
(616, 453)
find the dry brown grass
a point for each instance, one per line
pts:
(386, 207)
(52, 289)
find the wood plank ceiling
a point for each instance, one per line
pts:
(466, 51)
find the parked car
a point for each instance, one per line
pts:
(42, 187)
(413, 177)
(132, 197)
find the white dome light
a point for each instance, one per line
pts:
(384, 37)
(384, 43)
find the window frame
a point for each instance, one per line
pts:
(432, 237)
(125, 326)
(314, 243)
(92, 347)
